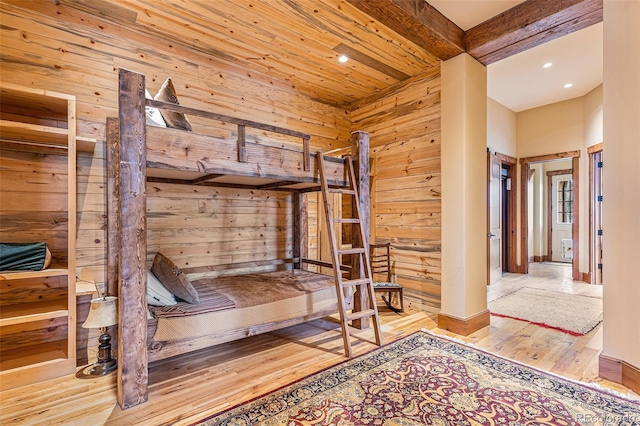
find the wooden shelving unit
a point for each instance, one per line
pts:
(38, 146)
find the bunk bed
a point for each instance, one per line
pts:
(138, 153)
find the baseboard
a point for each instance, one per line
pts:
(542, 258)
(586, 277)
(465, 326)
(619, 371)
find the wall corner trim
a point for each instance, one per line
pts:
(619, 371)
(464, 326)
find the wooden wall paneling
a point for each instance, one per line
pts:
(132, 302)
(96, 47)
(407, 181)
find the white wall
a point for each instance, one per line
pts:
(571, 125)
(464, 187)
(593, 124)
(621, 175)
(501, 128)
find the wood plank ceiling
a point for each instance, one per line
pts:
(298, 42)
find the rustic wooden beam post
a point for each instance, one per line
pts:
(113, 204)
(242, 143)
(113, 212)
(360, 155)
(300, 228)
(132, 301)
(306, 153)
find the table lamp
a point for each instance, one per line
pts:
(102, 314)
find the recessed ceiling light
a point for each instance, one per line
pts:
(343, 58)
(568, 85)
(547, 65)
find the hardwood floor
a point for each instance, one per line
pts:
(188, 388)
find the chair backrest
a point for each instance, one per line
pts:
(380, 259)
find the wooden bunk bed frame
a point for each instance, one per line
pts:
(137, 153)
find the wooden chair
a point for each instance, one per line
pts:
(381, 264)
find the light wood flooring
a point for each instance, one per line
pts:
(195, 385)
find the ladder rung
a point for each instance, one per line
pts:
(361, 314)
(352, 283)
(342, 191)
(346, 220)
(351, 250)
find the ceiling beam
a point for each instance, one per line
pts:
(418, 22)
(527, 25)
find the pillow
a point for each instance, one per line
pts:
(154, 117)
(157, 294)
(174, 279)
(24, 256)
(167, 93)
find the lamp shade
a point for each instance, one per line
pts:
(102, 313)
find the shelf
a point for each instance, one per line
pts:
(50, 352)
(84, 144)
(20, 275)
(34, 133)
(36, 311)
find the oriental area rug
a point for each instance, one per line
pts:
(424, 379)
(570, 313)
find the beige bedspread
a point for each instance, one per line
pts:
(260, 299)
(258, 289)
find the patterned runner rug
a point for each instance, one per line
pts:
(424, 379)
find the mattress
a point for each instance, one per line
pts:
(260, 299)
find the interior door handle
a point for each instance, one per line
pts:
(491, 235)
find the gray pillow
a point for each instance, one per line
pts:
(177, 120)
(174, 279)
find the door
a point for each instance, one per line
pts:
(561, 218)
(494, 219)
(597, 217)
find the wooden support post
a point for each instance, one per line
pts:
(113, 205)
(132, 300)
(306, 160)
(360, 155)
(242, 143)
(300, 228)
(113, 214)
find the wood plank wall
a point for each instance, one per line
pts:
(57, 48)
(201, 226)
(404, 129)
(36, 183)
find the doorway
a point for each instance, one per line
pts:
(560, 209)
(526, 167)
(501, 215)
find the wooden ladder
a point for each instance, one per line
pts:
(364, 272)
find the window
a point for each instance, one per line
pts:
(565, 201)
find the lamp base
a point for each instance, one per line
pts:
(105, 363)
(102, 368)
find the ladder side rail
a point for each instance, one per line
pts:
(337, 273)
(365, 257)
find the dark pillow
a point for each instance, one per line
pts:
(177, 120)
(174, 279)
